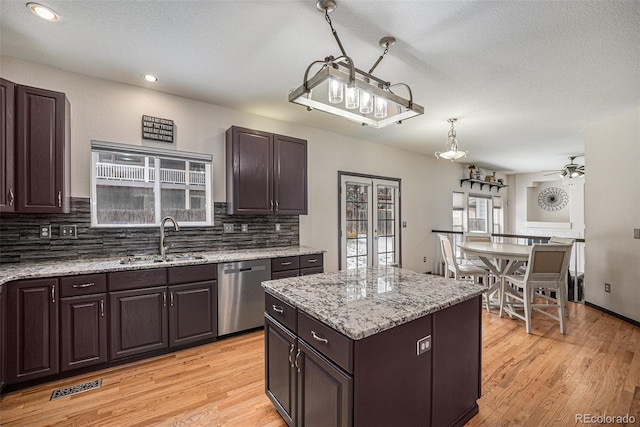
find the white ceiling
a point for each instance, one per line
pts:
(524, 78)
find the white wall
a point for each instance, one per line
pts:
(109, 111)
(612, 211)
(528, 220)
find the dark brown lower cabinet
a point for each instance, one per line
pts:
(192, 312)
(325, 393)
(280, 372)
(3, 341)
(306, 388)
(32, 336)
(138, 321)
(83, 332)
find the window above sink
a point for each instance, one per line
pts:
(135, 186)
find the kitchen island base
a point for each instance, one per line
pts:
(384, 379)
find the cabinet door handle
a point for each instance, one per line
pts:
(286, 263)
(277, 309)
(102, 307)
(84, 285)
(53, 293)
(295, 363)
(59, 199)
(171, 298)
(319, 338)
(12, 197)
(164, 299)
(277, 205)
(271, 205)
(291, 354)
(311, 261)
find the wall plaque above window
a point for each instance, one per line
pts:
(157, 129)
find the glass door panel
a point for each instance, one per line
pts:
(369, 223)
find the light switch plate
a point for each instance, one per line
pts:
(227, 228)
(636, 233)
(245, 228)
(68, 232)
(277, 227)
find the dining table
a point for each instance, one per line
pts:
(499, 258)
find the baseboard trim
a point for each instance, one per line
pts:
(613, 313)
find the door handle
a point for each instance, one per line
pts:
(291, 354)
(164, 299)
(59, 199)
(84, 285)
(296, 365)
(53, 293)
(12, 197)
(102, 307)
(171, 299)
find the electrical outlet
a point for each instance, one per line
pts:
(45, 231)
(277, 227)
(245, 228)
(607, 288)
(404, 224)
(68, 232)
(423, 345)
(636, 233)
(424, 259)
(227, 228)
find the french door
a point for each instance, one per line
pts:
(369, 222)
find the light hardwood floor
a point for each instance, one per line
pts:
(541, 379)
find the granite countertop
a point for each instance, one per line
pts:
(361, 303)
(16, 271)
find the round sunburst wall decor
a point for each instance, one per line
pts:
(553, 199)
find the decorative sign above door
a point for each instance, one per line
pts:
(157, 129)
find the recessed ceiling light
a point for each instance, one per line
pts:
(150, 78)
(43, 11)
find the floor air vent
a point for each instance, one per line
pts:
(75, 389)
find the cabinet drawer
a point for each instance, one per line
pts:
(309, 261)
(284, 274)
(192, 273)
(122, 280)
(312, 270)
(285, 263)
(281, 311)
(332, 344)
(84, 284)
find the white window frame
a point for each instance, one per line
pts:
(157, 153)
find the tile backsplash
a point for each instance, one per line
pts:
(20, 240)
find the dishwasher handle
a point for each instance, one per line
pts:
(243, 269)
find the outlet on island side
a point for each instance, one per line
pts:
(607, 288)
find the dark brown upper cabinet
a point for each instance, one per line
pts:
(7, 146)
(266, 173)
(42, 142)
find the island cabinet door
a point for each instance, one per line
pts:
(325, 392)
(280, 374)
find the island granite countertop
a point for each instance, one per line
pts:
(364, 302)
(17, 271)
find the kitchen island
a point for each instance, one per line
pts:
(373, 347)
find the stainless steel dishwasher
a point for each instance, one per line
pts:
(240, 295)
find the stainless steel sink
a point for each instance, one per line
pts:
(186, 257)
(156, 259)
(141, 260)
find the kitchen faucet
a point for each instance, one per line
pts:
(176, 227)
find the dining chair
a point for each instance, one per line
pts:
(462, 271)
(475, 237)
(546, 272)
(554, 240)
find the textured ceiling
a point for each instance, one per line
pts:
(524, 78)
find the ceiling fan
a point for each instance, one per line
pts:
(570, 170)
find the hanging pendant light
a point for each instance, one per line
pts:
(367, 99)
(452, 152)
